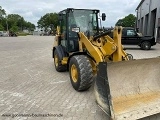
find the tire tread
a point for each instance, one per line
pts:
(85, 72)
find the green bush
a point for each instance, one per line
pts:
(21, 34)
(1, 28)
(14, 28)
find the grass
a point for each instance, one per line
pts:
(23, 34)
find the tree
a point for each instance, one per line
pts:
(128, 21)
(14, 22)
(48, 20)
(1, 27)
(2, 18)
(14, 28)
(29, 26)
(2, 12)
(17, 20)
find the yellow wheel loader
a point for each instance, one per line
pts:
(125, 89)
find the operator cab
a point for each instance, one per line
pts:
(72, 21)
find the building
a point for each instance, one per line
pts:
(148, 18)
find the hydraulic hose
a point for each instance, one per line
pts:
(103, 34)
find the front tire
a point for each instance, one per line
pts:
(81, 73)
(146, 45)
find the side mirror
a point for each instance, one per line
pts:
(103, 16)
(136, 35)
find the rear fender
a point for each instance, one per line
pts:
(60, 51)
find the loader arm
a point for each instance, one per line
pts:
(111, 48)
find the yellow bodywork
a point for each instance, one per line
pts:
(56, 60)
(74, 73)
(55, 41)
(102, 50)
(105, 48)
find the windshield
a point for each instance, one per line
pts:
(85, 20)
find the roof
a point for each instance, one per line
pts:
(140, 4)
(79, 9)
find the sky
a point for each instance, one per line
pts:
(32, 10)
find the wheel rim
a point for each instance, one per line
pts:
(74, 73)
(146, 46)
(56, 60)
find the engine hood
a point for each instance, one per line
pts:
(147, 37)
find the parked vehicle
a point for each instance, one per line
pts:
(4, 34)
(131, 37)
(1, 33)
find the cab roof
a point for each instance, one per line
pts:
(80, 9)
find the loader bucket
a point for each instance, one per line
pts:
(129, 90)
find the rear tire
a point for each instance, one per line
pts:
(81, 73)
(146, 45)
(57, 62)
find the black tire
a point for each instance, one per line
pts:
(130, 56)
(146, 45)
(57, 62)
(84, 76)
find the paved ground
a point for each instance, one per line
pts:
(30, 86)
(138, 54)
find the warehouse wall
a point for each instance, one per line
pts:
(148, 14)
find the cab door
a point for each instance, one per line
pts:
(130, 37)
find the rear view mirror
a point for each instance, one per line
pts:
(103, 16)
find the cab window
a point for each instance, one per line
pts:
(131, 33)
